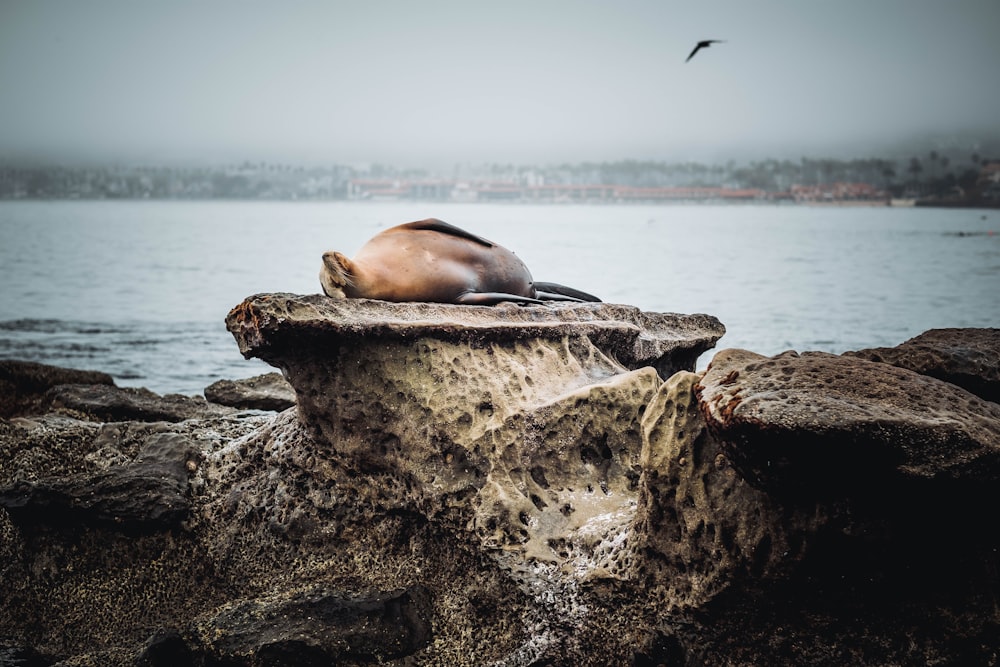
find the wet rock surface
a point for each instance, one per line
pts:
(510, 487)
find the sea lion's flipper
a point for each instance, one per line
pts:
(435, 225)
(557, 292)
(491, 298)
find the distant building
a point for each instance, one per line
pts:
(837, 192)
(988, 182)
(374, 189)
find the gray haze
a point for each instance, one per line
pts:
(435, 82)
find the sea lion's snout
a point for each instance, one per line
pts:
(334, 276)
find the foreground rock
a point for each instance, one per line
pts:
(821, 423)
(830, 488)
(513, 486)
(969, 358)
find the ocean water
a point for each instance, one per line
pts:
(141, 289)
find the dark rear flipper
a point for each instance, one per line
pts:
(492, 298)
(557, 292)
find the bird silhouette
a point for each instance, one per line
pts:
(704, 44)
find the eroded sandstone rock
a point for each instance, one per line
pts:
(561, 483)
(700, 525)
(868, 478)
(822, 423)
(519, 422)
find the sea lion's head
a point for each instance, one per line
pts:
(335, 275)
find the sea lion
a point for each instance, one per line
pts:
(430, 260)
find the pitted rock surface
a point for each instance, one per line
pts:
(520, 422)
(969, 358)
(700, 525)
(562, 481)
(833, 424)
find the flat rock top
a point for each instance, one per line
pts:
(805, 417)
(264, 321)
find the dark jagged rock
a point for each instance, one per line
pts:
(148, 494)
(263, 392)
(108, 403)
(165, 648)
(969, 358)
(12, 655)
(23, 385)
(322, 627)
(28, 388)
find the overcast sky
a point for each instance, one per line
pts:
(432, 82)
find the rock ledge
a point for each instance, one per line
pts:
(265, 324)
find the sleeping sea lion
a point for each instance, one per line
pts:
(430, 260)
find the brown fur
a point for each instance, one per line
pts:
(429, 260)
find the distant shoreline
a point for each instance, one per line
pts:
(863, 182)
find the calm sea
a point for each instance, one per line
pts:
(141, 289)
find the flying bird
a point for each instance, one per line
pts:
(704, 44)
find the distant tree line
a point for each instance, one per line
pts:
(931, 174)
(246, 181)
